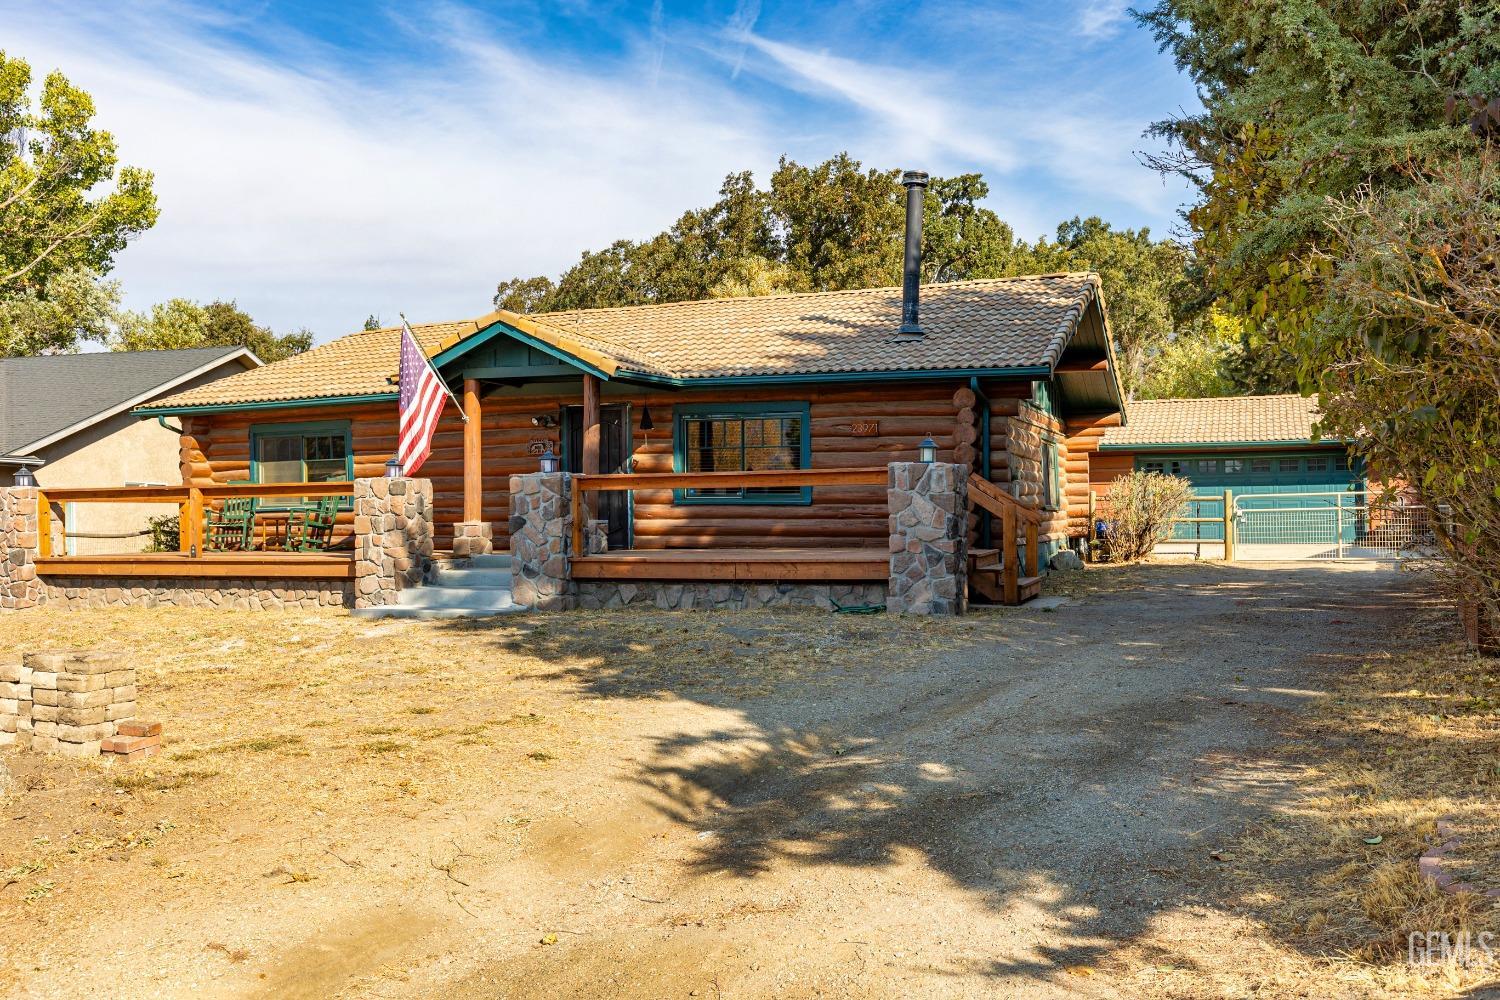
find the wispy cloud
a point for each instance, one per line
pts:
(1099, 19)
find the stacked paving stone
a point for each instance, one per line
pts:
(392, 538)
(78, 699)
(540, 530)
(15, 701)
(135, 740)
(928, 506)
(19, 586)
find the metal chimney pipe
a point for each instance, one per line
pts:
(915, 182)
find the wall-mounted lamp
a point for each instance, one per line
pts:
(646, 422)
(24, 477)
(549, 462)
(393, 469)
(927, 450)
(544, 420)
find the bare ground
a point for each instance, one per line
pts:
(1018, 803)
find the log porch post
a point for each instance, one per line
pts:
(473, 536)
(591, 433)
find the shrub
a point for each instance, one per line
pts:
(164, 533)
(1139, 511)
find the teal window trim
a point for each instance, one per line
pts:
(1055, 462)
(774, 408)
(307, 427)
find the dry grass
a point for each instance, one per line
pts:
(1407, 739)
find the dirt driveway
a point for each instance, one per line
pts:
(1021, 803)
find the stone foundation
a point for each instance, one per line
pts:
(65, 702)
(594, 595)
(76, 592)
(473, 538)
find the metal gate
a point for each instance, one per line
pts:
(1330, 526)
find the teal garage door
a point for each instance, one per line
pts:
(1303, 487)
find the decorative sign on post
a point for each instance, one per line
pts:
(540, 446)
(866, 428)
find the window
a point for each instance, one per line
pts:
(1341, 463)
(743, 438)
(1051, 480)
(1234, 466)
(1208, 466)
(1288, 465)
(1153, 466)
(1260, 465)
(301, 453)
(1317, 464)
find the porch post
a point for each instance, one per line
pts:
(473, 536)
(591, 433)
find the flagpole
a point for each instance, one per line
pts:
(435, 373)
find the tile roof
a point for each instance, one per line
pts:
(360, 364)
(991, 323)
(1226, 420)
(44, 395)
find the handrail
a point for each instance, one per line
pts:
(177, 494)
(189, 501)
(991, 497)
(759, 478)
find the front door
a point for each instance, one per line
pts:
(614, 453)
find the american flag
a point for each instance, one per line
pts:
(423, 396)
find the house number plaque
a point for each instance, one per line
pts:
(866, 428)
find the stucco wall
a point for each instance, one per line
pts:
(123, 449)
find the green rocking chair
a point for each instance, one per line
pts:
(232, 526)
(310, 528)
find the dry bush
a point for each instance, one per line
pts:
(1141, 508)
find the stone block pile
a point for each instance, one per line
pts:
(65, 702)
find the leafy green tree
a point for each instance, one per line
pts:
(76, 306)
(181, 323)
(58, 210)
(372, 322)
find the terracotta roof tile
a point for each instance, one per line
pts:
(992, 323)
(1226, 420)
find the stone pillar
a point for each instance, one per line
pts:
(392, 538)
(78, 699)
(473, 538)
(541, 526)
(19, 541)
(929, 542)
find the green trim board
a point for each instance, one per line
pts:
(1227, 445)
(498, 328)
(271, 404)
(683, 412)
(305, 428)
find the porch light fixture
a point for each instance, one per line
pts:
(927, 450)
(549, 462)
(544, 420)
(646, 422)
(393, 469)
(24, 476)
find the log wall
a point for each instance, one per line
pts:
(216, 449)
(1088, 468)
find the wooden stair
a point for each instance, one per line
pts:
(987, 579)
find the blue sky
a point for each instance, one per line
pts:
(320, 162)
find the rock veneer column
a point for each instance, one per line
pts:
(78, 699)
(19, 548)
(928, 505)
(392, 538)
(473, 538)
(541, 526)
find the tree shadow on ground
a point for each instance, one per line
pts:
(1074, 770)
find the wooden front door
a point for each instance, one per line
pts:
(614, 455)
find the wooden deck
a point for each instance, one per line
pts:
(758, 565)
(178, 565)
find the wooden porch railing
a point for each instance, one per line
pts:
(1013, 515)
(584, 485)
(190, 501)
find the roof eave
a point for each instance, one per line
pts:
(1202, 445)
(268, 404)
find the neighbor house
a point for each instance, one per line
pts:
(996, 374)
(69, 419)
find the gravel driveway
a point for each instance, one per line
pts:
(1032, 816)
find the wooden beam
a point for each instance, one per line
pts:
(246, 565)
(592, 437)
(765, 565)
(473, 450)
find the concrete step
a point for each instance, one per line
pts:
(450, 575)
(495, 560)
(399, 611)
(477, 598)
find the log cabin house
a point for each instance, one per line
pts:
(1012, 377)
